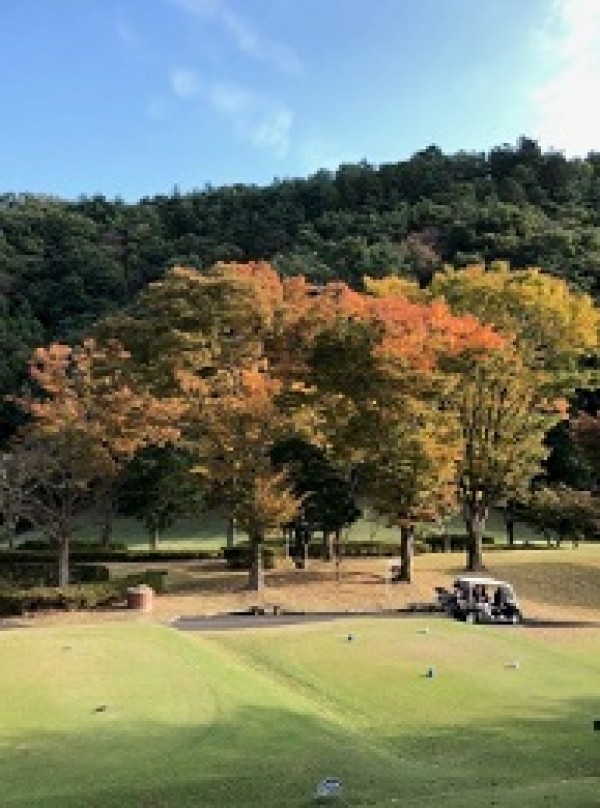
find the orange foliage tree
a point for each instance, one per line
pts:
(382, 374)
(253, 358)
(90, 417)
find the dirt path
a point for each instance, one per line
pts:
(551, 592)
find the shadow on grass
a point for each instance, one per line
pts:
(258, 756)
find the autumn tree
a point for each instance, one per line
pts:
(409, 476)
(503, 417)
(238, 423)
(93, 417)
(507, 402)
(215, 342)
(382, 389)
(552, 324)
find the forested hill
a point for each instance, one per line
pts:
(64, 264)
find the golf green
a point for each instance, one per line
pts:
(140, 715)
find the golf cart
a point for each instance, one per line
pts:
(475, 599)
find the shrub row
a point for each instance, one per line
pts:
(67, 598)
(29, 574)
(238, 557)
(19, 601)
(76, 545)
(100, 554)
(452, 542)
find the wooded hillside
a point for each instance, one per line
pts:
(64, 264)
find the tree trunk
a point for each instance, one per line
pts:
(231, 531)
(475, 518)
(510, 532)
(154, 535)
(337, 551)
(11, 528)
(256, 578)
(108, 511)
(106, 530)
(328, 550)
(63, 560)
(406, 553)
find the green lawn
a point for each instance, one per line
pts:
(209, 531)
(256, 718)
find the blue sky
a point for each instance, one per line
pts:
(133, 97)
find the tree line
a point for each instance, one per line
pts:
(227, 383)
(66, 264)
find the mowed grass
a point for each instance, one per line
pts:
(140, 715)
(208, 531)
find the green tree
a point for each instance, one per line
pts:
(47, 480)
(564, 513)
(157, 488)
(328, 501)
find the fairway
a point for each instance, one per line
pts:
(140, 715)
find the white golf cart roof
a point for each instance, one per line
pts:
(475, 580)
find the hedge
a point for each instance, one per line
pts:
(75, 545)
(238, 557)
(453, 541)
(101, 555)
(18, 601)
(67, 598)
(24, 575)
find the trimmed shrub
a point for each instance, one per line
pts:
(455, 542)
(99, 554)
(238, 556)
(21, 600)
(68, 598)
(153, 578)
(76, 545)
(378, 549)
(43, 573)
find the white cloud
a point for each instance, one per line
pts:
(258, 47)
(246, 37)
(185, 83)
(271, 131)
(567, 113)
(230, 98)
(261, 121)
(125, 30)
